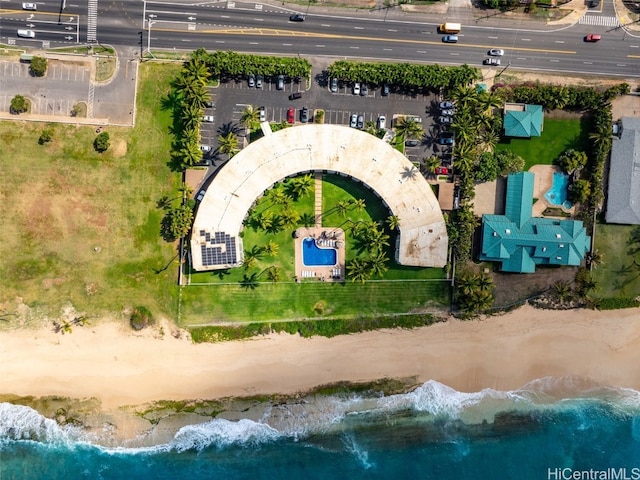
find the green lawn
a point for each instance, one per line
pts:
(557, 136)
(617, 276)
(82, 228)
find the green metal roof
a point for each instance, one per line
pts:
(524, 124)
(520, 242)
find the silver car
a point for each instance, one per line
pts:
(354, 121)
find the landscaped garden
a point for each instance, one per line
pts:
(254, 293)
(559, 134)
(618, 273)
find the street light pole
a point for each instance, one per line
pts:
(502, 71)
(149, 24)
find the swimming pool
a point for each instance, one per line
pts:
(313, 256)
(557, 195)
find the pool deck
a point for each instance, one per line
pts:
(331, 273)
(542, 184)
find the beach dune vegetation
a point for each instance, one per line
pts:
(141, 318)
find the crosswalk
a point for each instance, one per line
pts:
(92, 20)
(599, 20)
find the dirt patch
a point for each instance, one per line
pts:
(513, 288)
(119, 148)
(559, 79)
(626, 106)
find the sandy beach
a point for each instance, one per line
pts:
(119, 367)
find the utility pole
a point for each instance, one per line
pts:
(502, 71)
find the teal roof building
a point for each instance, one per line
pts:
(523, 120)
(520, 242)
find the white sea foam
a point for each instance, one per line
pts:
(222, 433)
(18, 422)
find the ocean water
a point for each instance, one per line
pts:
(549, 428)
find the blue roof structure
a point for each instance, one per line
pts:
(520, 241)
(524, 123)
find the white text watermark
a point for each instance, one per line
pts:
(620, 473)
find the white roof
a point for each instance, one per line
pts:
(290, 151)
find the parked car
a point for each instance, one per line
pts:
(259, 79)
(263, 114)
(592, 37)
(280, 82)
(27, 33)
(450, 39)
(356, 88)
(444, 120)
(360, 121)
(333, 86)
(496, 52)
(414, 118)
(353, 121)
(291, 115)
(295, 96)
(446, 105)
(296, 17)
(442, 171)
(382, 122)
(205, 148)
(29, 6)
(385, 89)
(208, 118)
(200, 195)
(491, 61)
(304, 115)
(445, 141)
(446, 113)
(364, 90)
(412, 142)
(209, 104)
(252, 80)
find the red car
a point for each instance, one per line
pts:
(291, 115)
(592, 37)
(442, 171)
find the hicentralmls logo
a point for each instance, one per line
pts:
(591, 474)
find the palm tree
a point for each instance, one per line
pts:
(595, 259)
(431, 165)
(191, 117)
(561, 289)
(228, 144)
(358, 204)
(301, 186)
(264, 220)
(308, 219)
(408, 128)
(271, 248)
(273, 274)
(190, 154)
(342, 207)
(279, 197)
(250, 117)
(378, 263)
(358, 270)
(393, 221)
(289, 217)
(371, 128)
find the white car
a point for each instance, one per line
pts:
(27, 33)
(29, 6)
(208, 118)
(353, 121)
(263, 114)
(205, 148)
(496, 52)
(382, 122)
(200, 195)
(356, 88)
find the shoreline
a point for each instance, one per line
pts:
(117, 367)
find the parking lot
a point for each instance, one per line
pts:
(232, 97)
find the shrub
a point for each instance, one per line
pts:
(38, 66)
(19, 104)
(141, 317)
(101, 143)
(46, 136)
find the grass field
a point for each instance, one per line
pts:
(557, 136)
(617, 276)
(82, 228)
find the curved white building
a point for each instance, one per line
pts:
(215, 240)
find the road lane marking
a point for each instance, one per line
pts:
(525, 39)
(493, 38)
(559, 41)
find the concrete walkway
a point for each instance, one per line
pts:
(318, 199)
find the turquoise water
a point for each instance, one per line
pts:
(313, 256)
(433, 432)
(557, 195)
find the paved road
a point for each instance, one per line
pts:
(254, 27)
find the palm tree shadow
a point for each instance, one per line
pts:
(229, 127)
(221, 273)
(410, 172)
(249, 282)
